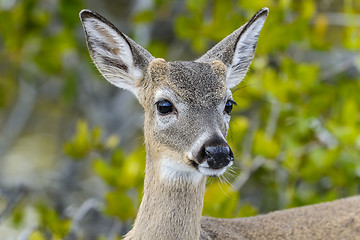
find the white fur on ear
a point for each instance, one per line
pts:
(244, 51)
(111, 52)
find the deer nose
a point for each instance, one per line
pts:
(218, 156)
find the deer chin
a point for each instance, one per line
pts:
(171, 170)
(212, 172)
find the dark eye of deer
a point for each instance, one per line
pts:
(164, 107)
(228, 106)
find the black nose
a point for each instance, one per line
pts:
(218, 156)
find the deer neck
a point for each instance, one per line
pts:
(169, 209)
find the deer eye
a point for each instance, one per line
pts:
(164, 107)
(228, 106)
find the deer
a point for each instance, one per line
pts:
(187, 107)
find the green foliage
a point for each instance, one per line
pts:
(34, 47)
(144, 16)
(119, 204)
(18, 215)
(223, 201)
(37, 235)
(123, 173)
(50, 221)
(83, 142)
(125, 176)
(265, 146)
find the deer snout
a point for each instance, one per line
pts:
(218, 156)
(214, 157)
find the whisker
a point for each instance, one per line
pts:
(209, 180)
(220, 185)
(227, 178)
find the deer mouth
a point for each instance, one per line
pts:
(206, 170)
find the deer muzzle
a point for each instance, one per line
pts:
(218, 156)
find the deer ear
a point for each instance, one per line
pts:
(118, 58)
(237, 50)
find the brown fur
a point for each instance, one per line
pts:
(168, 211)
(331, 221)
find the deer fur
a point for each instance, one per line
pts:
(187, 112)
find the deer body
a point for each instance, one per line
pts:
(331, 221)
(187, 112)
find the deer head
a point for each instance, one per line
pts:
(187, 104)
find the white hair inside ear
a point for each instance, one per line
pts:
(113, 52)
(244, 52)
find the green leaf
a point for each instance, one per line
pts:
(265, 146)
(220, 201)
(144, 16)
(80, 144)
(120, 205)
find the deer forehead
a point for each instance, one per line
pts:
(193, 82)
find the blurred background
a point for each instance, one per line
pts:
(71, 145)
